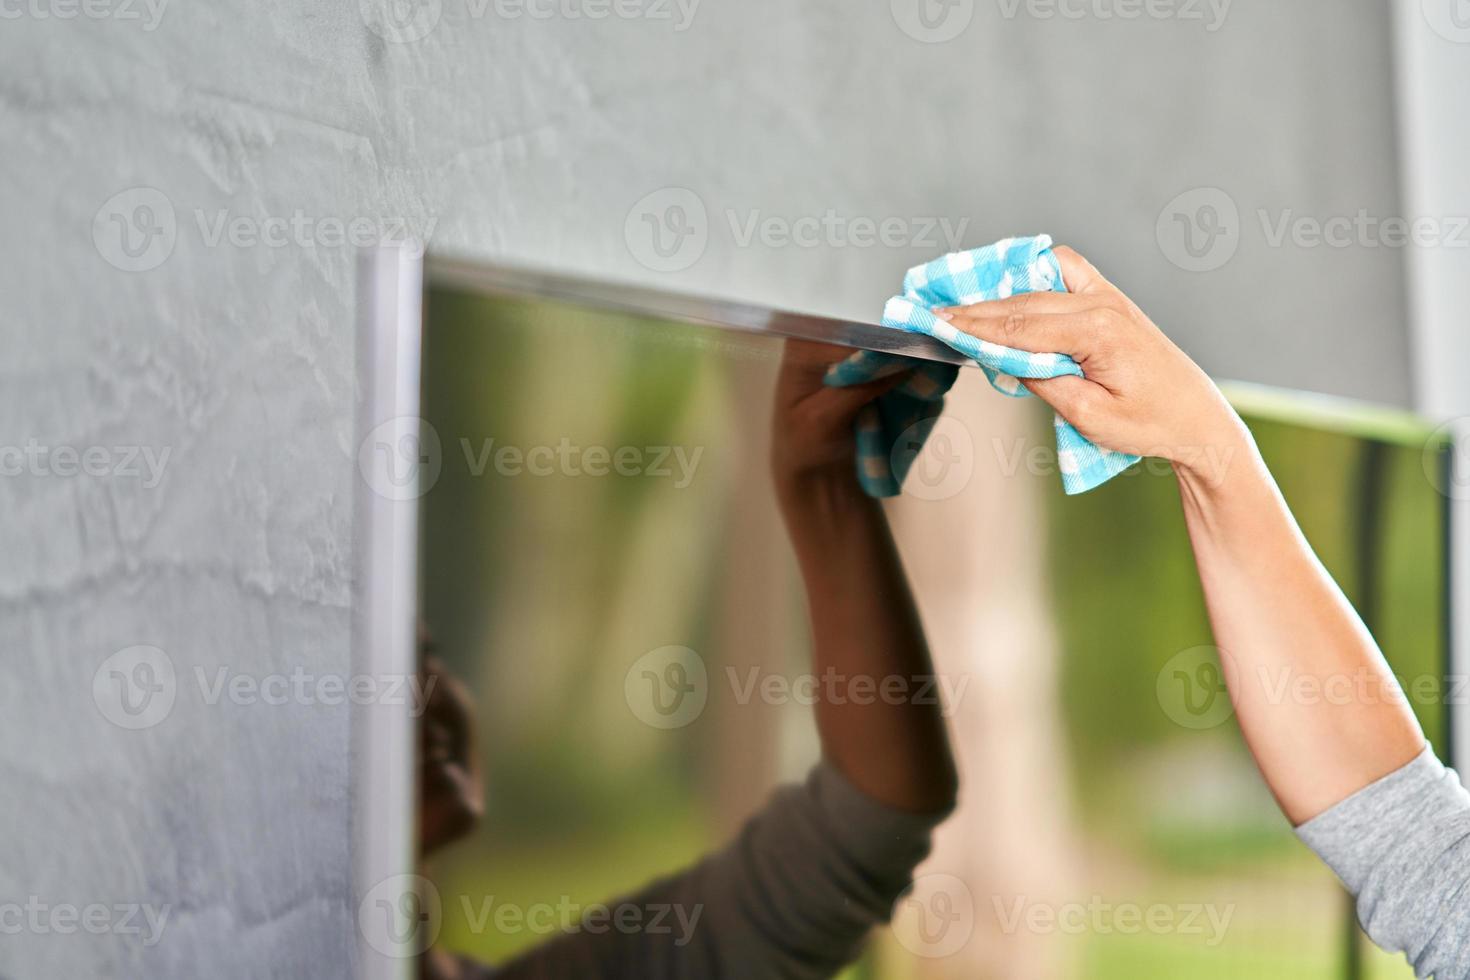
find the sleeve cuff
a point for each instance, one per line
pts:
(1352, 835)
(887, 841)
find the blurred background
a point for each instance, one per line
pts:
(185, 188)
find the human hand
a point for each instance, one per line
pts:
(1141, 394)
(450, 782)
(812, 424)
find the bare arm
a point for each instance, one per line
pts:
(1279, 616)
(880, 723)
(1276, 613)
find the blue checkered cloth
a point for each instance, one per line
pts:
(891, 431)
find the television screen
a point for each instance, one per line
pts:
(606, 584)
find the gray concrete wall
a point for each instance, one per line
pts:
(532, 139)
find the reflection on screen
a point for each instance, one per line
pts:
(602, 528)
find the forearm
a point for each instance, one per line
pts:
(878, 709)
(1318, 705)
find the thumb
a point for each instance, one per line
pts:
(1075, 399)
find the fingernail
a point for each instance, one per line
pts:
(943, 314)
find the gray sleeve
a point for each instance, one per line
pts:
(1402, 847)
(792, 897)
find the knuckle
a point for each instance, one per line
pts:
(1109, 321)
(1083, 402)
(1014, 324)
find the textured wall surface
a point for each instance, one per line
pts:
(209, 316)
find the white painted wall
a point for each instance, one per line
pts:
(528, 139)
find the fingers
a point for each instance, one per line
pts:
(840, 405)
(1074, 399)
(803, 365)
(1013, 324)
(1044, 302)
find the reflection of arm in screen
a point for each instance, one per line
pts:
(808, 877)
(878, 715)
(793, 896)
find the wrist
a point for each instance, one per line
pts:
(1219, 456)
(1227, 474)
(829, 499)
